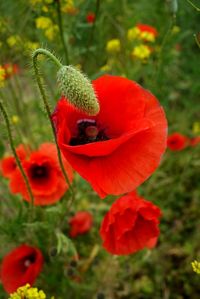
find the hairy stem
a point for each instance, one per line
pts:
(46, 105)
(5, 115)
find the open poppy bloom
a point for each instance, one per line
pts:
(21, 266)
(120, 147)
(177, 142)
(130, 225)
(45, 176)
(8, 164)
(80, 223)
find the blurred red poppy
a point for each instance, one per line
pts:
(177, 142)
(8, 164)
(20, 266)
(10, 70)
(147, 28)
(118, 149)
(45, 176)
(130, 225)
(194, 141)
(90, 17)
(80, 224)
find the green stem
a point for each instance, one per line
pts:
(193, 5)
(90, 39)
(44, 98)
(5, 115)
(60, 25)
(15, 98)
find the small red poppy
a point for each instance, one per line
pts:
(177, 142)
(10, 70)
(120, 147)
(90, 17)
(147, 28)
(20, 266)
(8, 164)
(80, 224)
(194, 141)
(130, 225)
(45, 176)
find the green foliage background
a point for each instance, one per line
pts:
(173, 76)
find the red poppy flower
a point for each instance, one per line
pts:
(8, 164)
(20, 266)
(177, 142)
(118, 149)
(80, 224)
(147, 28)
(10, 69)
(195, 141)
(130, 225)
(45, 176)
(90, 17)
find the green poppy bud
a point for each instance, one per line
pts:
(78, 90)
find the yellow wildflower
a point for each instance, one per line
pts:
(2, 76)
(28, 293)
(32, 45)
(45, 8)
(141, 52)
(196, 266)
(35, 2)
(69, 7)
(147, 36)
(51, 32)
(113, 46)
(43, 23)
(105, 68)
(176, 29)
(15, 119)
(196, 127)
(46, 24)
(133, 33)
(13, 40)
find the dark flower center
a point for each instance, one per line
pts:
(39, 171)
(88, 132)
(29, 260)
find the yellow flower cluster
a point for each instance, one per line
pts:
(27, 292)
(13, 40)
(113, 46)
(2, 76)
(46, 24)
(196, 267)
(136, 33)
(141, 52)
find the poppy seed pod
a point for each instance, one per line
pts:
(78, 90)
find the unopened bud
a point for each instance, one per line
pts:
(78, 90)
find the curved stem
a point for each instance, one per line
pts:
(5, 115)
(60, 25)
(44, 98)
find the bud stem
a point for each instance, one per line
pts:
(46, 105)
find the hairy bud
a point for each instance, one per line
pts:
(78, 90)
